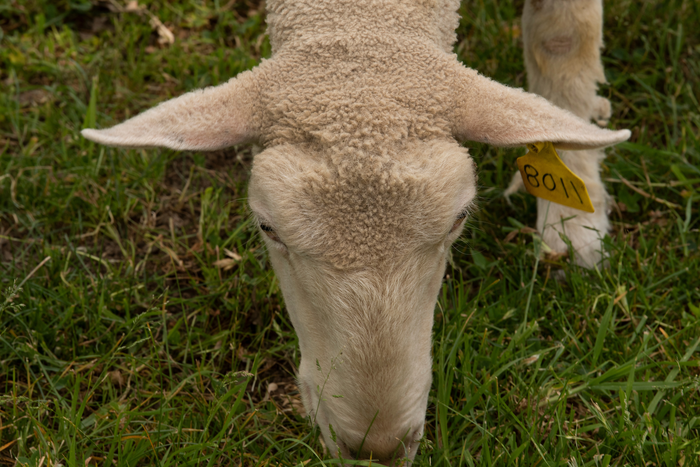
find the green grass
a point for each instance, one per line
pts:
(129, 346)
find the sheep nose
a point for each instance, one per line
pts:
(397, 458)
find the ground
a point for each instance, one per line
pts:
(141, 323)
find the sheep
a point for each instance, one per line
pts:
(362, 187)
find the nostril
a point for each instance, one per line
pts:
(399, 457)
(345, 451)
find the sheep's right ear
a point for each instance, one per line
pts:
(492, 113)
(203, 120)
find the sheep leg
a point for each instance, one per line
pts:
(562, 41)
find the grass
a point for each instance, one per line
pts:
(141, 323)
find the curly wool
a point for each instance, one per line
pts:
(358, 73)
(353, 208)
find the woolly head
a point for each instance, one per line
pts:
(360, 192)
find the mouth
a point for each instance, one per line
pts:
(353, 428)
(378, 447)
(403, 455)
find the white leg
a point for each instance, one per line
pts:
(584, 230)
(562, 41)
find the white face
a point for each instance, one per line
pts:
(359, 245)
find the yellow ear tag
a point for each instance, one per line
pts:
(546, 176)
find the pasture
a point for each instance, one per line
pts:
(141, 322)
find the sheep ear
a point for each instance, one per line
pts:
(492, 113)
(207, 119)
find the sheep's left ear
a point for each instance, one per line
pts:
(203, 120)
(492, 113)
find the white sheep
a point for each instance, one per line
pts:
(362, 186)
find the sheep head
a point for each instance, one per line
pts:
(359, 194)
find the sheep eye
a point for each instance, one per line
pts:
(458, 222)
(270, 232)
